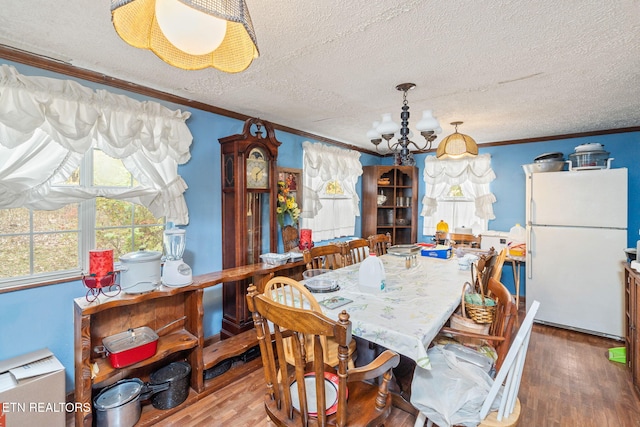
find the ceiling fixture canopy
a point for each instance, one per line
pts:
(457, 145)
(428, 127)
(189, 34)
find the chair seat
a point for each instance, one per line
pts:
(492, 419)
(331, 356)
(358, 408)
(482, 347)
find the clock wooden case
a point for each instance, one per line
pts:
(249, 198)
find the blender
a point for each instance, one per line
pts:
(175, 272)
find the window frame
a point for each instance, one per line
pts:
(86, 230)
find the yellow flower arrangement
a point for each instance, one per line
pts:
(286, 205)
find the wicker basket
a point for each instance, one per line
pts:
(479, 313)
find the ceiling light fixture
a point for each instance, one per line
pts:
(428, 127)
(457, 145)
(189, 34)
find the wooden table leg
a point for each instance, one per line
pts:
(516, 265)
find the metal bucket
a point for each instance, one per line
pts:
(177, 374)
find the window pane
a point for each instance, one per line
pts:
(73, 180)
(14, 221)
(65, 218)
(55, 252)
(14, 256)
(118, 239)
(455, 191)
(112, 213)
(143, 216)
(148, 238)
(109, 172)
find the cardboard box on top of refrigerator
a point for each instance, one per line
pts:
(496, 239)
(32, 391)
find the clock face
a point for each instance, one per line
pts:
(257, 169)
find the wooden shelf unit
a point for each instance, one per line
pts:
(632, 323)
(400, 186)
(183, 339)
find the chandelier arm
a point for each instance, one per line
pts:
(427, 145)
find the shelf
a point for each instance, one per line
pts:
(381, 219)
(167, 345)
(230, 347)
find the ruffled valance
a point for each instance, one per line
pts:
(454, 172)
(47, 125)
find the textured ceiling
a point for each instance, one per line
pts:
(508, 69)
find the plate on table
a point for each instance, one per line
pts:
(322, 286)
(403, 250)
(315, 280)
(330, 393)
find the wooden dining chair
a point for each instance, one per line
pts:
(483, 270)
(290, 237)
(356, 251)
(503, 393)
(326, 257)
(500, 330)
(380, 243)
(295, 390)
(496, 271)
(292, 293)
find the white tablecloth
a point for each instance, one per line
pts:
(408, 314)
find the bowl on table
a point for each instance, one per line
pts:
(316, 280)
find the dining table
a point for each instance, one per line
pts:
(419, 296)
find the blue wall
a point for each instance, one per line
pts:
(43, 317)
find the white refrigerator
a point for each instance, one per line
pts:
(576, 236)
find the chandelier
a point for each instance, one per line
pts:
(428, 127)
(189, 34)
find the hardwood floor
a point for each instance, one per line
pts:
(568, 381)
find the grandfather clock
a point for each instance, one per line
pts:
(249, 198)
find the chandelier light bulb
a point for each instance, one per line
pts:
(387, 126)
(188, 29)
(373, 133)
(427, 122)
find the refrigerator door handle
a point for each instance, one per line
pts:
(529, 253)
(530, 207)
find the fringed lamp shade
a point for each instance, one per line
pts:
(136, 22)
(457, 145)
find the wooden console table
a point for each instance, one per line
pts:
(180, 308)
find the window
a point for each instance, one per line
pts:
(331, 202)
(457, 191)
(77, 167)
(457, 208)
(47, 245)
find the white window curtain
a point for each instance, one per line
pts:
(330, 215)
(473, 175)
(47, 125)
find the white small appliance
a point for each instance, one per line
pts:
(175, 272)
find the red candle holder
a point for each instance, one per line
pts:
(100, 262)
(305, 239)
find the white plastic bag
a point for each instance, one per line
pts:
(452, 391)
